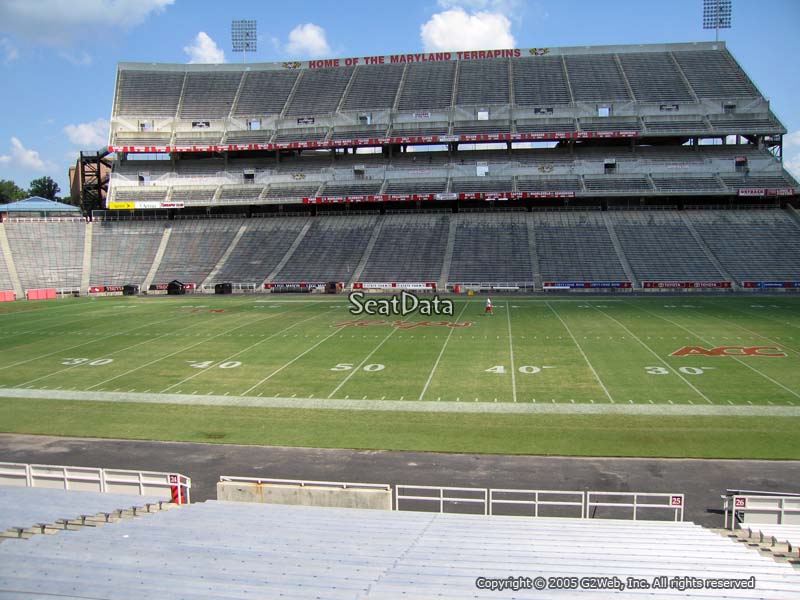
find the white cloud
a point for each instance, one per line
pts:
(8, 51)
(792, 140)
(454, 29)
(792, 164)
(204, 50)
(88, 135)
(308, 40)
(23, 158)
(81, 59)
(57, 22)
(505, 7)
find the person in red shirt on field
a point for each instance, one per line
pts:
(488, 310)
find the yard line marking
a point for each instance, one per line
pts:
(511, 352)
(243, 350)
(755, 333)
(363, 362)
(441, 353)
(295, 359)
(586, 358)
(108, 354)
(105, 337)
(736, 358)
(152, 362)
(654, 353)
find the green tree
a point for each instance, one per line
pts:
(10, 191)
(44, 187)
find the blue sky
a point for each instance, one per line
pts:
(58, 57)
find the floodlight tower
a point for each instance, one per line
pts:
(717, 15)
(243, 37)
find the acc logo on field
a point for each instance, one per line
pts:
(772, 351)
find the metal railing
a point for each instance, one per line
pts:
(582, 502)
(172, 486)
(539, 499)
(442, 496)
(777, 508)
(635, 501)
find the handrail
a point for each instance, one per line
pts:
(736, 507)
(675, 502)
(173, 485)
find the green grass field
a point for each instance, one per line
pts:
(585, 376)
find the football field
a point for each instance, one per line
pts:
(659, 357)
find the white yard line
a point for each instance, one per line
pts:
(737, 359)
(755, 333)
(361, 364)
(291, 362)
(203, 341)
(586, 358)
(105, 354)
(654, 353)
(511, 352)
(91, 342)
(243, 350)
(441, 353)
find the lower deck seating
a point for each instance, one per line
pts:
(247, 550)
(330, 250)
(48, 254)
(259, 250)
(761, 245)
(409, 248)
(660, 247)
(194, 249)
(123, 252)
(576, 246)
(6, 284)
(491, 249)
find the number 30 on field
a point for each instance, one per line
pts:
(684, 370)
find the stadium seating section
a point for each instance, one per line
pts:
(509, 247)
(240, 550)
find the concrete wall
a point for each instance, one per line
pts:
(271, 493)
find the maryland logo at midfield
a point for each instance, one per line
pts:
(769, 351)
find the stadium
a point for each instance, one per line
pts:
(625, 208)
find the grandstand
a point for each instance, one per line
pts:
(521, 167)
(216, 549)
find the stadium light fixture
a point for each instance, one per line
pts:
(243, 37)
(717, 15)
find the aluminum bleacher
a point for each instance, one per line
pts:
(319, 91)
(330, 250)
(124, 251)
(264, 93)
(542, 81)
(209, 95)
(374, 88)
(660, 247)
(491, 249)
(260, 249)
(576, 246)
(48, 254)
(219, 549)
(6, 285)
(409, 248)
(194, 249)
(24, 507)
(758, 245)
(483, 82)
(427, 86)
